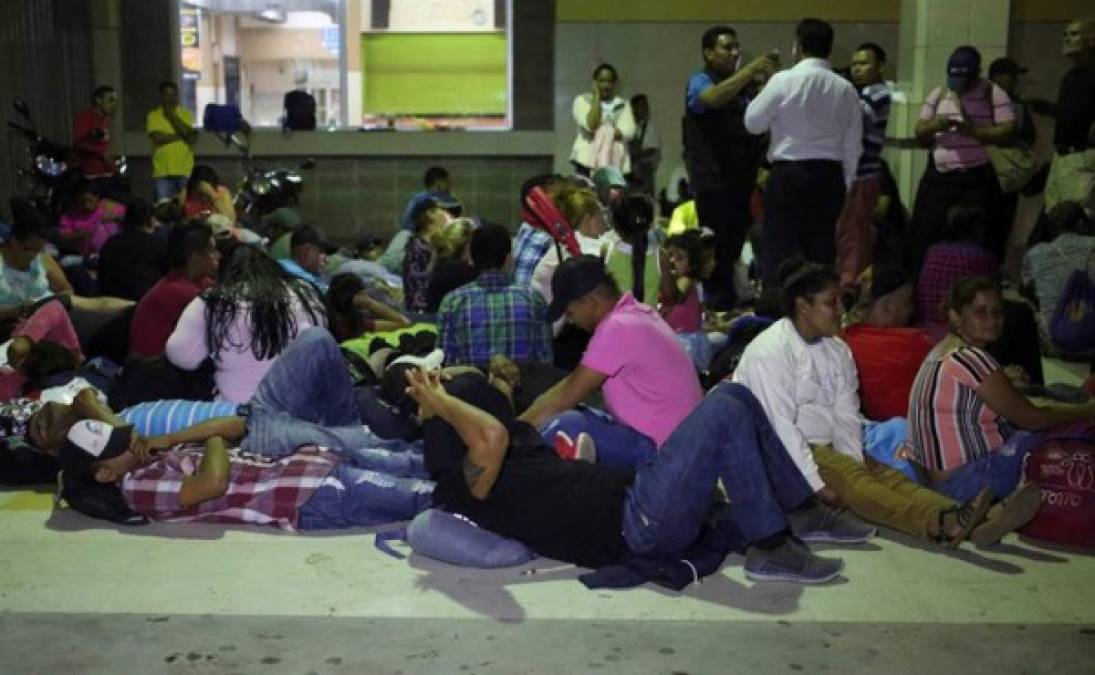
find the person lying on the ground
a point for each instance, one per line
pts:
(305, 399)
(311, 489)
(495, 470)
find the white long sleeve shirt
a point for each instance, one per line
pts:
(808, 392)
(813, 113)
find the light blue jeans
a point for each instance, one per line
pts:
(168, 187)
(306, 398)
(356, 497)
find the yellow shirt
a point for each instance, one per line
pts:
(174, 158)
(684, 218)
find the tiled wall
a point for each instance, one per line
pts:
(348, 196)
(658, 58)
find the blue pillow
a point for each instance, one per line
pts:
(454, 539)
(885, 442)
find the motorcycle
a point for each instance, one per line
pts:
(48, 170)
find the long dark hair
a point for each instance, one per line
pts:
(254, 279)
(632, 217)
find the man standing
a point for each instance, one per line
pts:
(957, 121)
(171, 129)
(1072, 174)
(493, 315)
(91, 136)
(814, 117)
(720, 154)
(854, 234)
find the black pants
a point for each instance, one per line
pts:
(938, 192)
(726, 212)
(802, 202)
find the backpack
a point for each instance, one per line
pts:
(300, 111)
(1073, 325)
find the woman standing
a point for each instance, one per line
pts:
(605, 125)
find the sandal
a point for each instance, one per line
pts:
(966, 516)
(1015, 511)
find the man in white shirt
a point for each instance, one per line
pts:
(814, 117)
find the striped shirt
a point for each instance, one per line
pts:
(875, 99)
(493, 316)
(952, 150)
(260, 491)
(949, 424)
(156, 418)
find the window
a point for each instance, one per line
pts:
(404, 64)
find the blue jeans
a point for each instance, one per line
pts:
(1000, 470)
(618, 445)
(727, 436)
(168, 187)
(306, 398)
(354, 497)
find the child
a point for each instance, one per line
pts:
(680, 295)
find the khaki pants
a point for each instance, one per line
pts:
(883, 496)
(1071, 178)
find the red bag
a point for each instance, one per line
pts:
(542, 213)
(1065, 470)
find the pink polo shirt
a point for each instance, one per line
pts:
(652, 385)
(985, 104)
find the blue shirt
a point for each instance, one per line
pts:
(530, 245)
(293, 267)
(156, 418)
(696, 84)
(492, 316)
(440, 196)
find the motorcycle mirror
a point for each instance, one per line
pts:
(309, 163)
(21, 107)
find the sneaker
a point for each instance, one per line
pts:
(1015, 511)
(585, 449)
(818, 523)
(790, 561)
(565, 446)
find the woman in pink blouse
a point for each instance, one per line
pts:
(244, 321)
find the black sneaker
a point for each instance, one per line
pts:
(820, 523)
(790, 561)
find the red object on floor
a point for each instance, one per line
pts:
(1065, 471)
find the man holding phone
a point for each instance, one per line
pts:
(957, 122)
(721, 156)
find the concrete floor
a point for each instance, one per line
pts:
(81, 596)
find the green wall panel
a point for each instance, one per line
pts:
(434, 73)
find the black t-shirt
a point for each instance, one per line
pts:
(571, 511)
(447, 276)
(1075, 107)
(130, 263)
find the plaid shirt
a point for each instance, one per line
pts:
(260, 491)
(944, 264)
(529, 246)
(493, 316)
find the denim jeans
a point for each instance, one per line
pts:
(727, 436)
(1000, 470)
(354, 497)
(618, 445)
(168, 186)
(306, 398)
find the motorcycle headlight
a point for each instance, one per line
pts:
(293, 178)
(48, 166)
(260, 186)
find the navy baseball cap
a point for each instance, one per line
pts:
(573, 279)
(962, 66)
